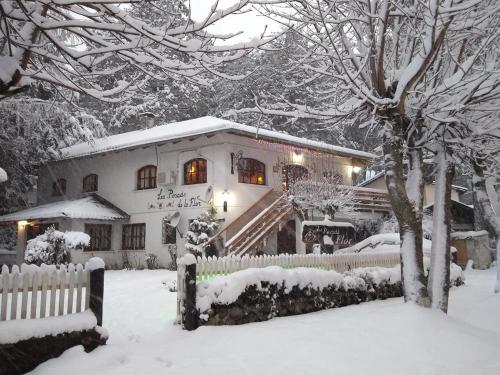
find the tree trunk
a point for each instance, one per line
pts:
(439, 273)
(482, 200)
(406, 207)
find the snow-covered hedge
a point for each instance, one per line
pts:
(258, 294)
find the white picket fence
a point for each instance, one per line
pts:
(207, 268)
(37, 292)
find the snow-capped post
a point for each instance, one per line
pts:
(190, 313)
(96, 267)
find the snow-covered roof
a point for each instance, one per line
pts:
(198, 126)
(328, 223)
(370, 180)
(382, 174)
(90, 207)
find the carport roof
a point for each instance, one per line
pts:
(89, 207)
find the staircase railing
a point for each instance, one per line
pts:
(255, 231)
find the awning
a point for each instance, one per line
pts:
(89, 207)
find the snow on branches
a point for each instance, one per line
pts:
(78, 45)
(53, 247)
(200, 231)
(326, 195)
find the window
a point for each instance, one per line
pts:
(146, 177)
(251, 171)
(134, 236)
(34, 230)
(195, 172)
(168, 233)
(89, 183)
(100, 237)
(59, 187)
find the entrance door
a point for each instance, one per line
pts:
(292, 173)
(286, 238)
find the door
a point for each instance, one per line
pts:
(286, 238)
(292, 173)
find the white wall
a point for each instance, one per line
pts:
(117, 183)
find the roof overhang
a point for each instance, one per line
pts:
(204, 126)
(91, 207)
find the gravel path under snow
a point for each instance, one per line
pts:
(380, 337)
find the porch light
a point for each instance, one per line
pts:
(297, 157)
(22, 223)
(356, 169)
(225, 196)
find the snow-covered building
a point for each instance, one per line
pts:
(135, 193)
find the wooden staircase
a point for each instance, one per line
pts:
(236, 227)
(254, 234)
(371, 200)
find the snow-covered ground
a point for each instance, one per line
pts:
(380, 337)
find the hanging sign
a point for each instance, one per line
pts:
(342, 236)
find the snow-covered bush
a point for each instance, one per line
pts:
(200, 231)
(8, 237)
(53, 247)
(3, 175)
(258, 294)
(390, 225)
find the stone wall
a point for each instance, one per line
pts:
(270, 300)
(23, 356)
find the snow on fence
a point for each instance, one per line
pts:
(37, 292)
(207, 268)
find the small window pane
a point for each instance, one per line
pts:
(195, 172)
(251, 171)
(146, 177)
(89, 183)
(59, 187)
(134, 236)
(100, 237)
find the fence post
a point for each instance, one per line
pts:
(190, 314)
(96, 274)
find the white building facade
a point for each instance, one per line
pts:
(135, 193)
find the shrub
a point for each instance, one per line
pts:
(152, 261)
(53, 247)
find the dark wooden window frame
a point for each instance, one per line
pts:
(146, 177)
(250, 170)
(59, 187)
(100, 237)
(134, 236)
(90, 183)
(195, 171)
(33, 230)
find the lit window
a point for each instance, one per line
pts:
(251, 171)
(195, 172)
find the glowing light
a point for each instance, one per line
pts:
(22, 223)
(297, 157)
(260, 180)
(356, 169)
